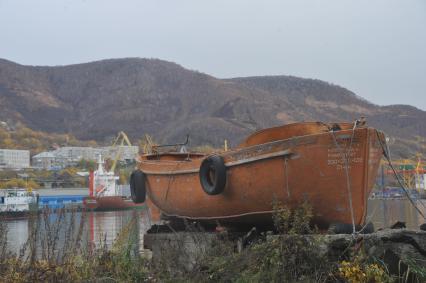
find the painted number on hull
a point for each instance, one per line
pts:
(336, 157)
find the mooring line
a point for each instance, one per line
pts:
(286, 176)
(346, 163)
(386, 154)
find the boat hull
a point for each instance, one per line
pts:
(108, 203)
(308, 168)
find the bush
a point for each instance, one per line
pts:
(288, 256)
(19, 183)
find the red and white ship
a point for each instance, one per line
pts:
(105, 193)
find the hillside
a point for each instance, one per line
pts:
(21, 137)
(96, 100)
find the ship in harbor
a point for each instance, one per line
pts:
(105, 193)
(18, 202)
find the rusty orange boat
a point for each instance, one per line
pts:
(332, 166)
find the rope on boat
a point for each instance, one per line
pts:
(345, 157)
(171, 179)
(368, 220)
(398, 177)
(386, 154)
(286, 176)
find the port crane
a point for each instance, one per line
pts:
(120, 141)
(148, 145)
(412, 171)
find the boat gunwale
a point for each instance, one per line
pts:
(222, 217)
(286, 152)
(231, 152)
(237, 148)
(298, 123)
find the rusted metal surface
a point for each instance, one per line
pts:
(291, 163)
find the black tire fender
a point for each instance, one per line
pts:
(340, 228)
(138, 186)
(213, 175)
(367, 228)
(346, 228)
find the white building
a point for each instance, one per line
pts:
(76, 153)
(125, 153)
(14, 158)
(45, 160)
(71, 155)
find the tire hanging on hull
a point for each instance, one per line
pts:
(138, 186)
(213, 175)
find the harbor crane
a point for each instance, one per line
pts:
(412, 172)
(120, 141)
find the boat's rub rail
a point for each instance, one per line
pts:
(174, 172)
(222, 216)
(281, 153)
(286, 152)
(271, 146)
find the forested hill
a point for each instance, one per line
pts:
(96, 100)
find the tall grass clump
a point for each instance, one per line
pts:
(294, 252)
(286, 256)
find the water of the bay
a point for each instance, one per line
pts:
(106, 226)
(383, 213)
(99, 227)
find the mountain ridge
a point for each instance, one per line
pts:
(95, 100)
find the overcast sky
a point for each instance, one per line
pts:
(376, 48)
